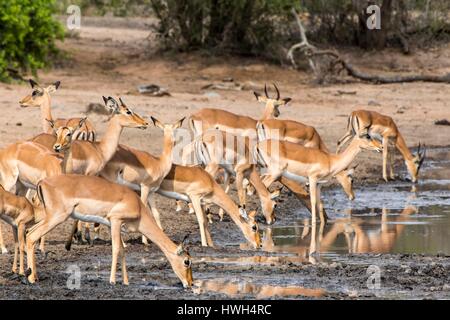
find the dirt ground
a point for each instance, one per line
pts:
(112, 58)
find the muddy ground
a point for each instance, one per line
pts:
(112, 57)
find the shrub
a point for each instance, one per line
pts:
(27, 35)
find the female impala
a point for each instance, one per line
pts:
(93, 199)
(194, 184)
(86, 157)
(385, 130)
(18, 212)
(308, 165)
(218, 149)
(299, 133)
(40, 97)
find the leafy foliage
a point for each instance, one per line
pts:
(27, 35)
(240, 26)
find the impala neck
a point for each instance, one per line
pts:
(341, 161)
(46, 114)
(403, 148)
(110, 140)
(149, 228)
(67, 163)
(221, 199)
(166, 156)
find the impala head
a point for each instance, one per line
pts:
(368, 143)
(182, 264)
(269, 205)
(416, 162)
(345, 178)
(168, 129)
(39, 95)
(272, 104)
(124, 114)
(250, 227)
(64, 135)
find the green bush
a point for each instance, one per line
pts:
(27, 35)
(240, 26)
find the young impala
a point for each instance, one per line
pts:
(93, 199)
(384, 129)
(303, 164)
(40, 98)
(18, 212)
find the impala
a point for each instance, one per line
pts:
(303, 164)
(89, 158)
(194, 184)
(149, 174)
(384, 129)
(40, 98)
(86, 157)
(218, 149)
(18, 212)
(137, 169)
(236, 124)
(299, 133)
(94, 199)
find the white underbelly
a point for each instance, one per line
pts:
(90, 218)
(295, 177)
(173, 195)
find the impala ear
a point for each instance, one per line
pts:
(182, 247)
(121, 102)
(286, 100)
(51, 123)
(179, 123)
(33, 83)
(53, 87)
(157, 123)
(111, 104)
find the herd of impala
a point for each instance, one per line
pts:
(65, 173)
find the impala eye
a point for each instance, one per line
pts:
(254, 227)
(187, 263)
(128, 112)
(69, 134)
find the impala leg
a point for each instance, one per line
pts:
(179, 206)
(313, 195)
(72, 234)
(2, 244)
(37, 232)
(323, 216)
(41, 245)
(385, 158)
(116, 242)
(21, 237)
(16, 248)
(240, 187)
(391, 161)
(145, 191)
(202, 223)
